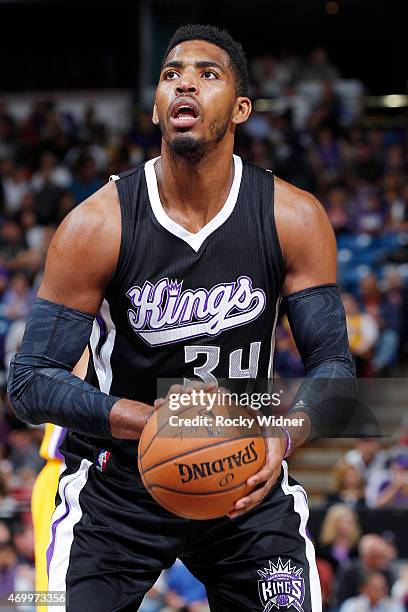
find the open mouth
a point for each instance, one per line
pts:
(184, 115)
(185, 111)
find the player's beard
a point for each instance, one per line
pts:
(193, 148)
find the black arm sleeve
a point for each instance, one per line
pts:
(328, 393)
(42, 388)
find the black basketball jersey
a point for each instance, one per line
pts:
(189, 306)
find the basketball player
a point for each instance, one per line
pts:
(186, 258)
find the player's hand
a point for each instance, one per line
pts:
(265, 478)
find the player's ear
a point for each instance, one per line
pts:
(155, 117)
(243, 108)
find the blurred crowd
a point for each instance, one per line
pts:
(364, 572)
(313, 137)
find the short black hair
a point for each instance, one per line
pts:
(222, 39)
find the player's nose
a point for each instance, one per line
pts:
(186, 85)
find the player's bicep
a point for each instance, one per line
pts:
(83, 253)
(307, 240)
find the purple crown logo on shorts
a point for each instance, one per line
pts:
(281, 586)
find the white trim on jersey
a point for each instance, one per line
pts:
(102, 361)
(273, 339)
(66, 515)
(54, 440)
(301, 507)
(194, 240)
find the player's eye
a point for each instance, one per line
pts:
(170, 75)
(209, 74)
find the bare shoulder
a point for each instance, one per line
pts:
(297, 207)
(98, 213)
(84, 251)
(306, 237)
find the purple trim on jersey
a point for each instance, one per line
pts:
(57, 453)
(50, 549)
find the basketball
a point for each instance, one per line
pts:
(197, 468)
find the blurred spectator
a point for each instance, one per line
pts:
(5, 534)
(8, 569)
(365, 171)
(326, 577)
(369, 213)
(13, 185)
(373, 597)
(13, 341)
(86, 180)
(328, 156)
(12, 242)
(185, 592)
(393, 490)
(317, 67)
(13, 575)
(367, 456)
(348, 486)
(34, 233)
(18, 298)
(8, 505)
(362, 331)
(399, 590)
(386, 309)
(50, 172)
(23, 450)
(24, 543)
(7, 137)
(339, 536)
(375, 555)
(336, 203)
(288, 363)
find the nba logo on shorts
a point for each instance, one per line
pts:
(102, 462)
(281, 587)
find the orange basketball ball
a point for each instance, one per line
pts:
(198, 468)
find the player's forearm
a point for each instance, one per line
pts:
(327, 394)
(53, 395)
(41, 386)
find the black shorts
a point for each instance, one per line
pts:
(110, 541)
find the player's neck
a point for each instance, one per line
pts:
(192, 193)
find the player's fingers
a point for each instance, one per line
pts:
(177, 389)
(262, 476)
(159, 402)
(272, 468)
(197, 384)
(252, 500)
(255, 497)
